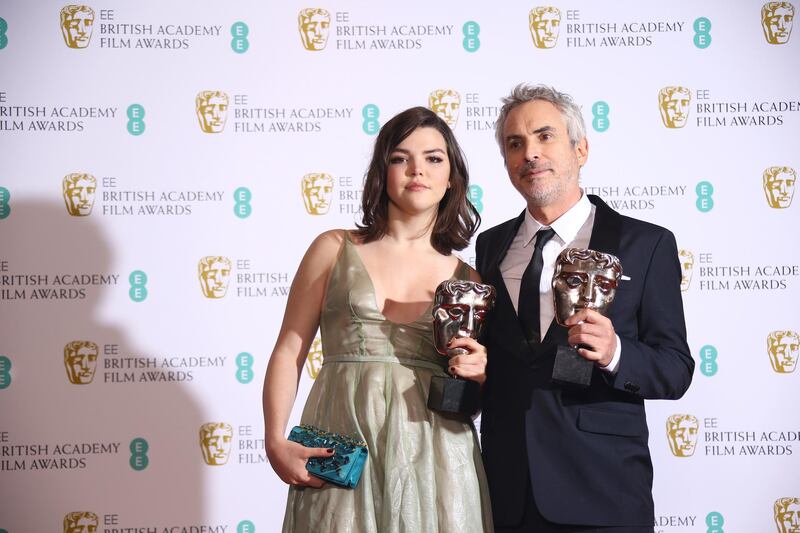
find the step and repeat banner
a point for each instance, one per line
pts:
(166, 164)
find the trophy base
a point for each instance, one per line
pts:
(450, 395)
(571, 369)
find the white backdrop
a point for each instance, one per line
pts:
(114, 96)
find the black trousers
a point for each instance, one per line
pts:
(534, 522)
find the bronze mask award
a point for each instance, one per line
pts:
(459, 310)
(583, 279)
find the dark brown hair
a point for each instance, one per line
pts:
(456, 220)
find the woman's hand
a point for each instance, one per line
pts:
(289, 459)
(471, 365)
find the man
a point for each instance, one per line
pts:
(561, 458)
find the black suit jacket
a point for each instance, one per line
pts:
(585, 451)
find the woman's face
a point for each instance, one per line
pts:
(418, 172)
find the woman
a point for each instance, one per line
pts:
(370, 292)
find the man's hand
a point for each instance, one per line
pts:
(589, 328)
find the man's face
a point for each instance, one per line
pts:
(217, 446)
(446, 105)
(544, 29)
(460, 313)
(314, 31)
(80, 196)
(686, 260)
(215, 278)
(777, 25)
(77, 29)
(317, 192)
(583, 285)
(683, 437)
(81, 364)
(779, 189)
(213, 113)
(675, 108)
(542, 163)
(784, 351)
(788, 521)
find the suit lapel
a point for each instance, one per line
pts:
(606, 231)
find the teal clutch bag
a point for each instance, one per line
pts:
(344, 467)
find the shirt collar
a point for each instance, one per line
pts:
(566, 226)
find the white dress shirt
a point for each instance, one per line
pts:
(573, 229)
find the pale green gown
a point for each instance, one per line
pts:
(424, 472)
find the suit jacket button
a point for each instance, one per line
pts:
(631, 386)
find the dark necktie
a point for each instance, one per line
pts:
(528, 306)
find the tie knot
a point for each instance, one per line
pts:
(542, 236)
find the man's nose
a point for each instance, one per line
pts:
(532, 151)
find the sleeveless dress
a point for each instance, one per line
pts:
(424, 472)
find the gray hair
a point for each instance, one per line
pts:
(576, 129)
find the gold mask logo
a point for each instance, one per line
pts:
(776, 21)
(779, 186)
(686, 259)
(314, 359)
(214, 272)
(212, 110)
(682, 434)
(216, 440)
(783, 348)
(544, 22)
(314, 24)
(81, 522)
(787, 515)
(76, 25)
(445, 103)
(673, 103)
(80, 360)
(78, 190)
(317, 189)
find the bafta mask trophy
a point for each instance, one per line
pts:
(459, 310)
(583, 279)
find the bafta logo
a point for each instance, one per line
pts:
(779, 186)
(81, 522)
(682, 434)
(212, 110)
(216, 439)
(317, 189)
(445, 103)
(314, 359)
(314, 24)
(673, 103)
(776, 21)
(80, 360)
(544, 23)
(686, 259)
(783, 348)
(76, 25)
(78, 190)
(787, 515)
(214, 272)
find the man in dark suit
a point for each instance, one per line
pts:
(560, 458)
